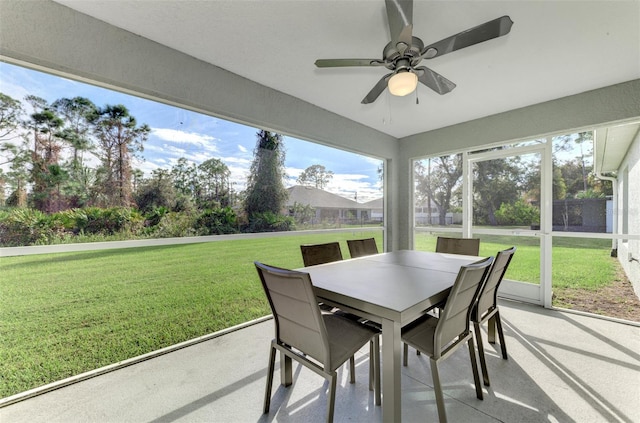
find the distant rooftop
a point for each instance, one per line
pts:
(319, 198)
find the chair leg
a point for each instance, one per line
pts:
(503, 346)
(331, 400)
(286, 370)
(491, 329)
(352, 369)
(267, 390)
(405, 355)
(483, 361)
(437, 387)
(474, 367)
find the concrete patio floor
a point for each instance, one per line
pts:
(562, 367)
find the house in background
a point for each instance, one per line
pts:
(617, 158)
(376, 209)
(332, 208)
(424, 215)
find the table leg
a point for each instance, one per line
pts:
(391, 399)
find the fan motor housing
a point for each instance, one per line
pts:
(392, 52)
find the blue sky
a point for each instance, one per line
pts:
(180, 133)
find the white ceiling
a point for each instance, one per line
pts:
(555, 49)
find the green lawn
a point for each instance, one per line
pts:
(64, 314)
(577, 262)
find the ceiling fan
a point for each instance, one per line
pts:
(404, 52)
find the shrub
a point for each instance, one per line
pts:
(175, 225)
(96, 220)
(155, 215)
(217, 221)
(22, 227)
(270, 222)
(518, 213)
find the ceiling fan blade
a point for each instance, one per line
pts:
(434, 80)
(336, 63)
(400, 17)
(377, 90)
(484, 32)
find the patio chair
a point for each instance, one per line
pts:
(464, 246)
(486, 308)
(362, 247)
(440, 337)
(320, 341)
(314, 254)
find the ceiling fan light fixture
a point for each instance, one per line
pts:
(403, 83)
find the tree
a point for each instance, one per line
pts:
(45, 156)
(572, 173)
(496, 182)
(76, 132)
(315, 176)
(156, 192)
(567, 142)
(265, 187)
(185, 177)
(10, 112)
(77, 113)
(15, 154)
(119, 138)
(437, 182)
(214, 184)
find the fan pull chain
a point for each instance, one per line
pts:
(417, 100)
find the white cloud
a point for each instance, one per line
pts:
(238, 177)
(237, 160)
(347, 185)
(293, 172)
(242, 148)
(174, 151)
(204, 141)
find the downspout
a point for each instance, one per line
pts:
(614, 186)
(614, 226)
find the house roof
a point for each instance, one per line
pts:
(374, 204)
(321, 199)
(611, 144)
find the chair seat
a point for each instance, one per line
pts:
(345, 338)
(419, 334)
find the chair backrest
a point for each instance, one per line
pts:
(465, 246)
(362, 247)
(314, 254)
(454, 319)
(488, 297)
(298, 320)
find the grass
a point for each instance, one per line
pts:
(583, 263)
(64, 314)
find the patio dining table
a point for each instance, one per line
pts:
(392, 289)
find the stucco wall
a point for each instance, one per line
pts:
(631, 247)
